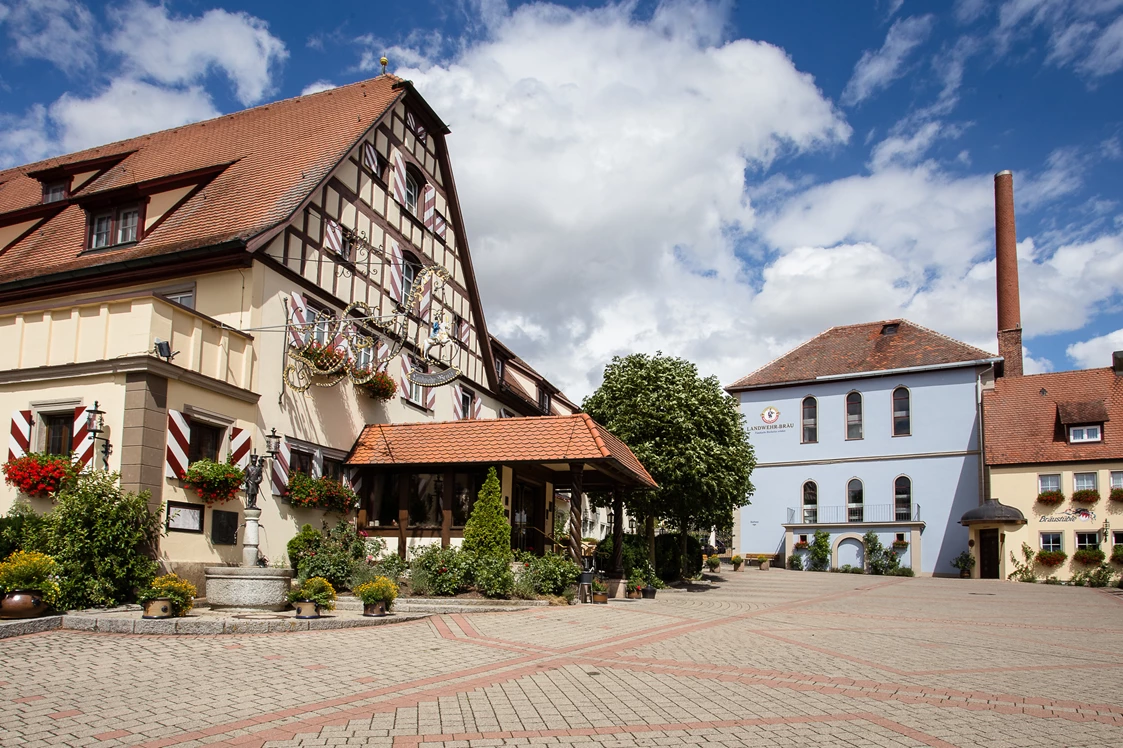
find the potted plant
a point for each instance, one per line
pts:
(713, 563)
(321, 493)
(39, 474)
(378, 596)
(636, 583)
(377, 385)
(795, 562)
(736, 561)
(801, 545)
(765, 561)
(1089, 556)
(1086, 495)
(312, 596)
(1050, 498)
(215, 482)
(600, 591)
(900, 545)
(1051, 558)
(965, 562)
(29, 583)
(167, 596)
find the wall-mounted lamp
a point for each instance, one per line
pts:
(95, 425)
(1107, 532)
(632, 525)
(163, 349)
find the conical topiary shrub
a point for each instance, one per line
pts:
(487, 533)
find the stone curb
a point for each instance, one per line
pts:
(202, 626)
(24, 626)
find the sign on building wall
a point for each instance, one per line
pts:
(1070, 515)
(770, 422)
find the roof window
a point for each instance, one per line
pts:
(55, 192)
(890, 329)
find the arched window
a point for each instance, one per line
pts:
(810, 502)
(854, 415)
(413, 191)
(854, 492)
(902, 412)
(902, 498)
(810, 421)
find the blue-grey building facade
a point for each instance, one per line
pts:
(893, 450)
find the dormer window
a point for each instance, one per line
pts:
(112, 227)
(544, 400)
(1077, 434)
(54, 192)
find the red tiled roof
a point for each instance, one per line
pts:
(854, 349)
(273, 155)
(1023, 424)
(545, 439)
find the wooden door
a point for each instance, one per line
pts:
(988, 554)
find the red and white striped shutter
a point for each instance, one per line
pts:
(370, 157)
(404, 383)
(397, 272)
(417, 127)
(333, 236)
(240, 447)
(465, 332)
(399, 178)
(318, 463)
(179, 442)
(477, 407)
(280, 472)
(82, 444)
(383, 352)
(439, 227)
(458, 402)
(431, 398)
(429, 207)
(19, 441)
(340, 341)
(425, 301)
(298, 315)
(353, 479)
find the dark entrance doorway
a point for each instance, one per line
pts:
(988, 554)
(527, 506)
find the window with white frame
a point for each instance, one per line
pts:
(1084, 434)
(1050, 541)
(412, 192)
(1087, 540)
(1117, 537)
(1117, 479)
(810, 502)
(185, 297)
(854, 415)
(1046, 483)
(416, 391)
(1084, 481)
(113, 227)
(467, 399)
(810, 420)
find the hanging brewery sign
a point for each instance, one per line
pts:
(433, 378)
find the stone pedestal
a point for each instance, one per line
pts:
(244, 587)
(251, 538)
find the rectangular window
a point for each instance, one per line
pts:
(333, 469)
(1084, 482)
(54, 192)
(1084, 434)
(205, 441)
(1117, 537)
(1050, 541)
(100, 231)
(1047, 483)
(300, 462)
(467, 399)
(382, 506)
(1087, 540)
(416, 391)
(119, 226)
(60, 433)
(183, 298)
(544, 401)
(425, 492)
(1117, 478)
(127, 225)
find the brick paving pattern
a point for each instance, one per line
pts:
(772, 658)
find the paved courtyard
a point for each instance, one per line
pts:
(762, 659)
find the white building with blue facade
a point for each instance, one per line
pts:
(871, 427)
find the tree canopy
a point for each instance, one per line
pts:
(686, 431)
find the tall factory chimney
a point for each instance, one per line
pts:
(1006, 264)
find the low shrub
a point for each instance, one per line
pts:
(901, 571)
(880, 559)
(1086, 495)
(795, 562)
(317, 590)
(31, 571)
(1023, 570)
(1117, 554)
(1051, 558)
(736, 560)
(1089, 556)
(551, 573)
(492, 577)
(179, 591)
(40, 474)
(377, 590)
(964, 561)
(22, 529)
(332, 556)
(438, 571)
(214, 482)
(713, 563)
(308, 539)
(636, 580)
(668, 562)
(1050, 497)
(1052, 580)
(1101, 576)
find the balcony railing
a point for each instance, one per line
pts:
(853, 514)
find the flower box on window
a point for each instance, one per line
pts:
(1050, 497)
(321, 493)
(1051, 558)
(900, 545)
(1086, 495)
(802, 545)
(1116, 494)
(1089, 556)
(378, 385)
(38, 474)
(215, 482)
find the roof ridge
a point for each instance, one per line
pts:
(946, 337)
(594, 430)
(807, 342)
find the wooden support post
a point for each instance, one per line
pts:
(577, 480)
(617, 533)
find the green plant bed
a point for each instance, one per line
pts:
(1089, 556)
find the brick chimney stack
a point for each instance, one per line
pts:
(1006, 262)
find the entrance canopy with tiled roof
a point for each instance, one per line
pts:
(555, 443)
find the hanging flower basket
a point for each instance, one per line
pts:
(1050, 497)
(321, 493)
(379, 385)
(38, 474)
(1086, 496)
(1089, 556)
(1051, 558)
(324, 358)
(215, 482)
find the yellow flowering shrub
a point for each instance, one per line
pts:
(378, 590)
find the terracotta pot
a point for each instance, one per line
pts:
(736, 567)
(764, 565)
(374, 610)
(964, 573)
(649, 593)
(600, 598)
(22, 604)
(160, 607)
(634, 594)
(306, 609)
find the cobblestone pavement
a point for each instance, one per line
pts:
(772, 658)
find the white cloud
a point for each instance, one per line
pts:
(60, 31)
(1031, 365)
(876, 70)
(1086, 35)
(316, 87)
(125, 109)
(1096, 353)
(612, 221)
(25, 138)
(178, 50)
(967, 11)
(908, 149)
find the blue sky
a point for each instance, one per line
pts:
(715, 180)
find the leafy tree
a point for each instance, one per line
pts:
(820, 551)
(686, 431)
(487, 533)
(880, 559)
